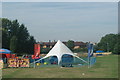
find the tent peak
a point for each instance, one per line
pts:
(58, 41)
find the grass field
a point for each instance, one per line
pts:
(105, 67)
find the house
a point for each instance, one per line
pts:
(51, 44)
(79, 45)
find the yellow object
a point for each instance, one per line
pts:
(24, 63)
(45, 63)
(38, 64)
(105, 53)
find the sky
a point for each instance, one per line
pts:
(60, 0)
(78, 21)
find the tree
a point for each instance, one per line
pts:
(118, 41)
(96, 47)
(70, 44)
(16, 37)
(13, 44)
(30, 45)
(117, 46)
(14, 28)
(6, 24)
(109, 42)
(80, 50)
(23, 38)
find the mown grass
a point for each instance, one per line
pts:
(105, 67)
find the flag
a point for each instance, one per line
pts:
(90, 50)
(37, 51)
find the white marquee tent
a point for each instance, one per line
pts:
(59, 50)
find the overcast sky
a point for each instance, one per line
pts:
(60, 0)
(79, 21)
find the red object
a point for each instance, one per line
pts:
(26, 57)
(3, 55)
(16, 57)
(36, 51)
(7, 55)
(13, 55)
(33, 57)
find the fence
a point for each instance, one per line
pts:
(71, 62)
(15, 62)
(75, 62)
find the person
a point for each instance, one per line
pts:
(1, 63)
(26, 56)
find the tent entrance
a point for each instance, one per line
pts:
(67, 60)
(53, 60)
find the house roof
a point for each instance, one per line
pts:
(79, 43)
(53, 43)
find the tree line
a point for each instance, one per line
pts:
(70, 45)
(109, 43)
(16, 37)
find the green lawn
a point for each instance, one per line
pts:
(105, 67)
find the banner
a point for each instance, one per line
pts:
(24, 63)
(90, 50)
(36, 51)
(90, 54)
(12, 62)
(18, 62)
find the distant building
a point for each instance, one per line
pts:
(51, 44)
(47, 44)
(79, 45)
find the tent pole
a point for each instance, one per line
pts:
(81, 59)
(88, 62)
